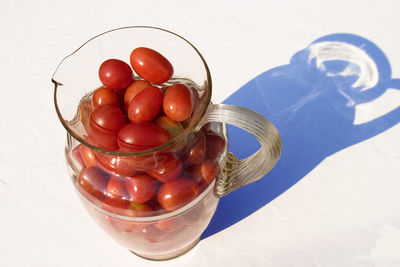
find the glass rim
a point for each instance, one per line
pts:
(173, 141)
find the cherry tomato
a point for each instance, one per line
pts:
(141, 136)
(76, 154)
(136, 87)
(138, 210)
(92, 183)
(203, 174)
(151, 65)
(104, 123)
(196, 102)
(145, 105)
(174, 128)
(168, 171)
(176, 194)
(115, 74)
(104, 96)
(121, 165)
(141, 187)
(153, 234)
(88, 156)
(198, 152)
(170, 224)
(209, 171)
(195, 173)
(155, 206)
(194, 215)
(85, 107)
(214, 145)
(178, 102)
(117, 195)
(129, 165)
(206, 127)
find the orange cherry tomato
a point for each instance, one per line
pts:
(104, 96)
(136, 87)
(88, 156)
(209, 171)
(151, 65)
(174, 128)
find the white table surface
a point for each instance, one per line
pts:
(354, 194)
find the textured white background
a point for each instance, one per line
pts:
(346, 212)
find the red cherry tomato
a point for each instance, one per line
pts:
(203, 174)
(115, 74)
(92, 183)
(176, 194)
(84, 109)
(151, 65)
(121, 165)
(104, 96)
(76, 154)
(155, 206)
(104, 123)
(174, 128)
(195, 173)
(214, 145)
(153, 234)
(136, 87)
(138, 210)
(198, 152)
(129, 165)
(178, 102)
(141, 187)
(209, 171)
(169, 170)
(88, 156)
(145, 105)
(170, 224)
(141, 136)
(117, 195)
(194, 215)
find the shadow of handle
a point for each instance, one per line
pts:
(371, 128)
(240, 172)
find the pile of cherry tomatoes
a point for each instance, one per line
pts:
(133, 115)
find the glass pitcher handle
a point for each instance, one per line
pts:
(240, 172)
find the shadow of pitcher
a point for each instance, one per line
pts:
(312, 103)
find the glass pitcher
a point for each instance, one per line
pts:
(156, 227)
